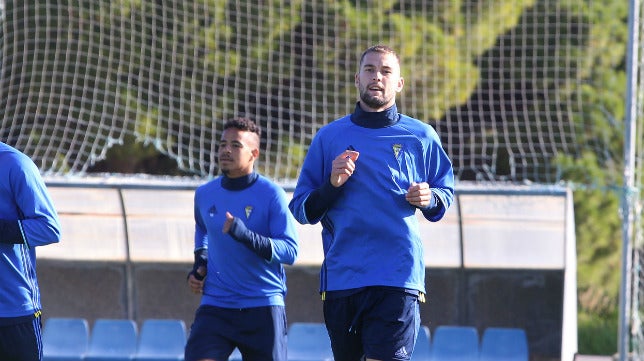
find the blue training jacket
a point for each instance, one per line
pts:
(370, 233)
(237, 277)
(23, 198)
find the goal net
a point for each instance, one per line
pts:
(506, 83)
(520, 91)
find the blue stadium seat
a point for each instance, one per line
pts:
(423, 345)
(309, 341)
(65, 339)
(161, 340)
(112, 340)
(504, 344)
(455, 343)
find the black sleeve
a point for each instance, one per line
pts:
(256, 242)
(201, 259)
(434, 206)
(321, 199)
(10, 232)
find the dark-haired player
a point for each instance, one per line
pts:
(244, 233)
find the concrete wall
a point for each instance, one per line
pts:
(500, 257)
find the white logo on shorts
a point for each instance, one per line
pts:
(402, 352)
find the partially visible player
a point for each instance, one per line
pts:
(244, 233)
(27, 219)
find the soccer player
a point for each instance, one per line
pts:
(27, 219)
(364, 178)
(244, 234)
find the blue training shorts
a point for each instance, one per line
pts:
(377, 322)
(258, 332)
(22, 340)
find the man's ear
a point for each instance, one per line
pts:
(401, 82)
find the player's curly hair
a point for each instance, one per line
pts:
(245, 124)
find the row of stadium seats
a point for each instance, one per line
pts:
(310, 342)
(462, 343)
(69, 339)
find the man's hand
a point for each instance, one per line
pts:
(199, 271)
(196, 285)
(343, 167)
(419, 194)
(228, 223)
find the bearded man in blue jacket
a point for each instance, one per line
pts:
(364, 178)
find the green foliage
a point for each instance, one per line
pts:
(287, 150)
(597, 333)
(596, 171)
(133, 157)
(483, 21)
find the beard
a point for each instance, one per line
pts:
(373, 101)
